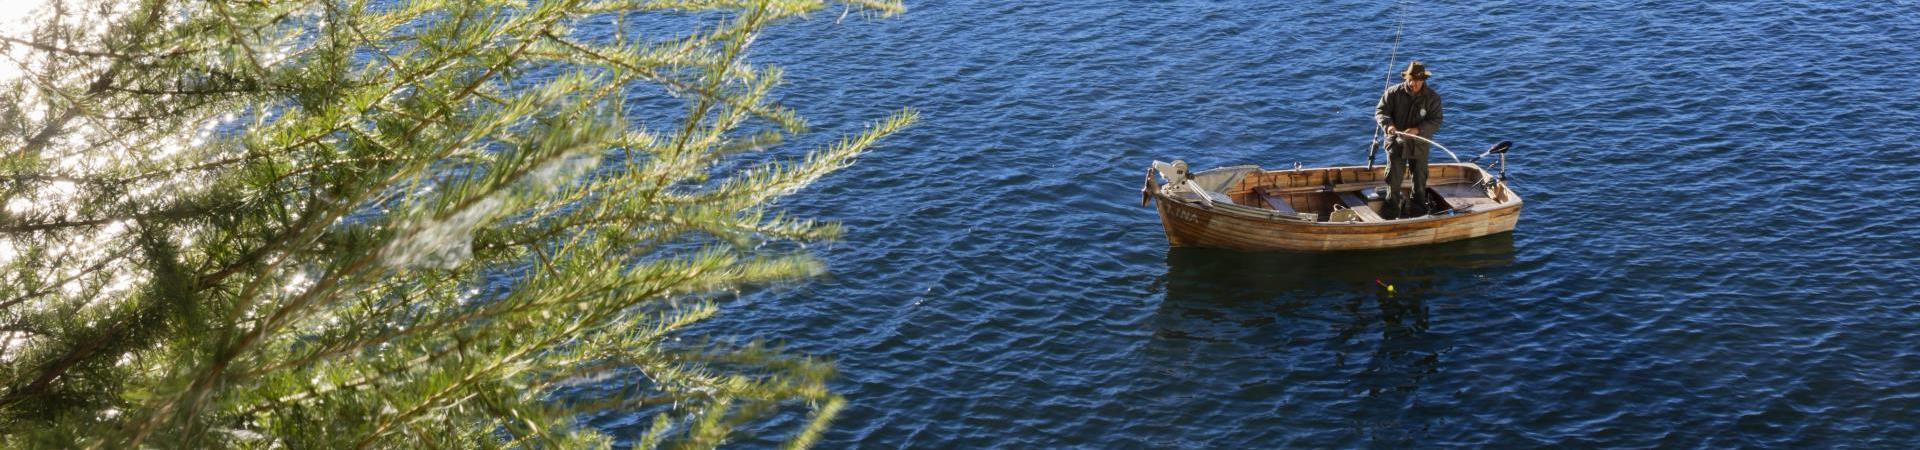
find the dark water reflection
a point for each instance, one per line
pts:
(1211, 273)
(1326, 330)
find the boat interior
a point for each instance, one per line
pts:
(1347, 194)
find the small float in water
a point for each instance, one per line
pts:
(1325, 209)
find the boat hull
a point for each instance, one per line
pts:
(1192, 224)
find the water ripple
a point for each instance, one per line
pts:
(1714, 252)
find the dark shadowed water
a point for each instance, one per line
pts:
(1718, 247)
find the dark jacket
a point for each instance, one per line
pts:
(1404, 109)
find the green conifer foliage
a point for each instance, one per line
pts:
(407, 224)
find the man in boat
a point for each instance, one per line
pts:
(1410, 107)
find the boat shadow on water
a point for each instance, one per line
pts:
(1214, 275)
(1360, 288)
(1322, 325)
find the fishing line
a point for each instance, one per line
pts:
(1393, 55)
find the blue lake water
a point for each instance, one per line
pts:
(1717, 248)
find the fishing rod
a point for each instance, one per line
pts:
(1498, 148)
(1399, 23)
(1456, 158)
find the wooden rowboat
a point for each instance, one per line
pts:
(1322, 209)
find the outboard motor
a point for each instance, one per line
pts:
(1176, 172)
(1501, 149)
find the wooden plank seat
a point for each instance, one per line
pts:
(1352, 200)
(1276, 202)
(1461, 197)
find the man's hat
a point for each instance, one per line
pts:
(1416, 71)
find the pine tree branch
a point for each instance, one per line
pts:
(419, 108)
(174, 213)
(253, 57)
(96, 267)
(338, 209)
(574, 328)
(278, 318)
(52, 372)
(39, 141)
(487, 314)
(723, 67)
(49, 48)
(774, 113)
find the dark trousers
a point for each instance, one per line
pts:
(1397, 202)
